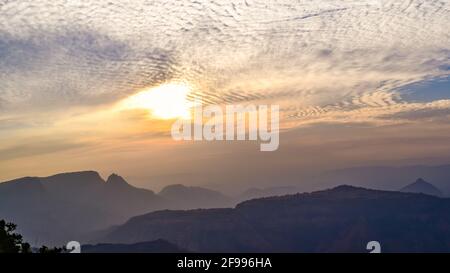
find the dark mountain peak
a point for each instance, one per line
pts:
(339, 192)
(73, 181)
(421, 180)
(346, 188)
(422, 186)
(343, 193)
(353, 192)
(348, 191)
(116, 180)
(83, 176)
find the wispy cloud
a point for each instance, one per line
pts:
(57, 53)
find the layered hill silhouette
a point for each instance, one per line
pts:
(82, 206)
(56, 209)
(342, 219)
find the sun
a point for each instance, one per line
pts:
(166, 101)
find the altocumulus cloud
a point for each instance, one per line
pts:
(317, 59)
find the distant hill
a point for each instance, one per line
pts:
(380, 177)
(421, 186)
(69, 206)
(194, 197)
(342, 219)
(158, 246)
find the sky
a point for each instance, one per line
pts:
(359, 83)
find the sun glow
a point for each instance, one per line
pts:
(166, 101)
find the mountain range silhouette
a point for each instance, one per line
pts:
(72, 206)
(114, 216)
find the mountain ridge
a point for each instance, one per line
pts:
(48, 210)
(83, 206)
(341, 219)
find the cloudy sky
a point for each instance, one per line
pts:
(359, 83)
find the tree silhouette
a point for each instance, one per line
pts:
(45, 249)
(11, 242)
